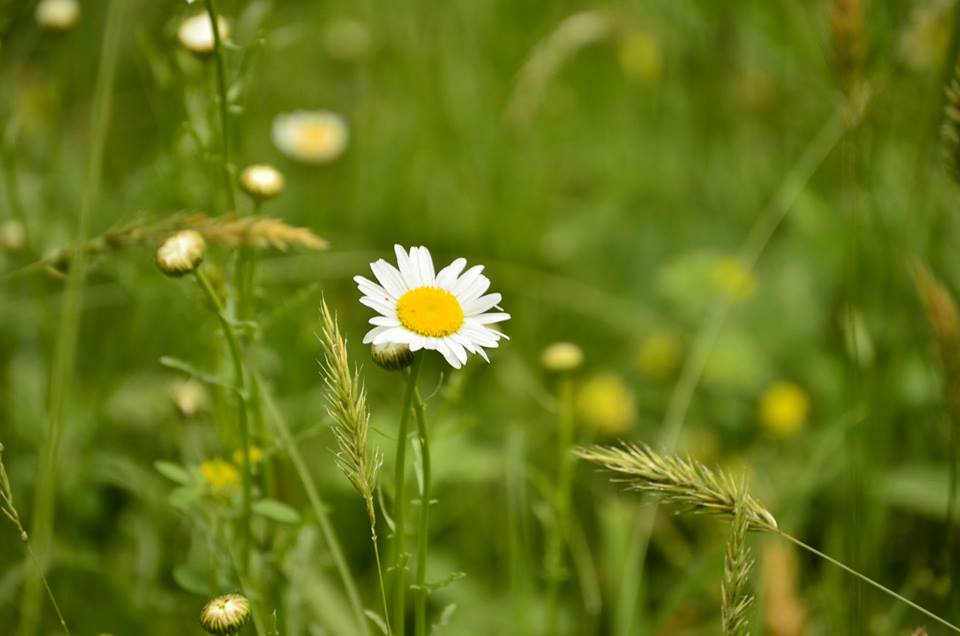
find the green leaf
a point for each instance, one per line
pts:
(173, 472)
(192, 579)
(378, 620)
(273, 509)
(181, 365)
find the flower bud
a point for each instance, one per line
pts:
(196, 33)
(57, 15)
(391, 356)
(225, 614)
(181, 254)
(562, 357)
(261, 181)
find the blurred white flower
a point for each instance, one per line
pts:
(196, 33)
(261, 181)
(310, 136)
(445, 311)
(57, 15)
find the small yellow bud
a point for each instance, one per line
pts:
(12, 236)
(562, 357)
(57, 15)
(390, 356)
(196, 33)
(256, 456)
(225, 614)
(261, 181)
(190, 397)
(181, 254)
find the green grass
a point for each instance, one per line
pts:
(603, 215)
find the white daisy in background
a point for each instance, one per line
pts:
(446, 311)
(311, 136)
(196, 33)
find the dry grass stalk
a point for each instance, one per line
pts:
(259, 232)
(941, 310)
(347, 405)
(846, 34)
(951, 125)
(737, 566)
(678, 480)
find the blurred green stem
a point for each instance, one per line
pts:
(224, 107)
(319, 509)
(240, 380)
(556, 572)
(399, 503)
(64, 356)
(423, 528)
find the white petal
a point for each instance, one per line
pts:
(457, 349)
(469, 278)
(448, 355)
(407, 270)
(385, 308)
(486, 319)
(384, 321)
(369, 288)
(482, 304)
(427, 275)
(397, 335)
(475, 290)
(373, 333)
(389, 277)
(447, 276)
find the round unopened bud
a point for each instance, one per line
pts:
(261, 181)
(182, 253)
(392, 356)
(196, 33)
(24, 536)
(57, 15)
(562, 357)
(225, 614)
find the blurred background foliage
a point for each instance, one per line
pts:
(607, 163)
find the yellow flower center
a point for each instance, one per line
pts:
(429, 311)
(314, 137)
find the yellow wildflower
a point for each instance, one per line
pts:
(731, 278)
(606, 404)
(222, 476)
(784, 408)
(659, 355)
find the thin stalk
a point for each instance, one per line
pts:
(64, 357)
(423, 528)
(561, 504)
(372, 515)
(240, 381)
(319, 510)
(224, 111)
(399, 503)
(869, 581)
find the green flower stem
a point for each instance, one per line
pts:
(561, 504)
(399, 503)
(319, 509)
(224, 110)
(64, 357)
(372, 515)
(240, 381)
(423, 528)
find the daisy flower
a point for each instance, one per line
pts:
(446, 311)
(310, 136)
